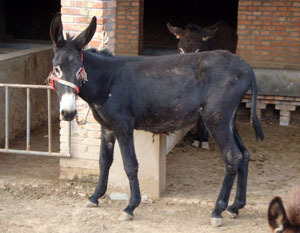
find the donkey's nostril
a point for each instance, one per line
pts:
(68, 115)
(63, 113)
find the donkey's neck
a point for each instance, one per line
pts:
(100, 75)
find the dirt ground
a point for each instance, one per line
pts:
(33, 200)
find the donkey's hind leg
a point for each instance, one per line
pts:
(201, 138)
(240, 198)
(105, 161)
(220, 126)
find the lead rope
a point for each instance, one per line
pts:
(103, 45)
(83, 122)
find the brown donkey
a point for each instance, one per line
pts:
(285, 220)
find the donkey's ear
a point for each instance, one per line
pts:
(178, 32)
(85, 37)
(277, 215)
(209, 34)
(56, 30)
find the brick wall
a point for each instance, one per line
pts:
(129, 26)
(269, 33)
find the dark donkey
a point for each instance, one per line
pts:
(156, 94)
(198, 39)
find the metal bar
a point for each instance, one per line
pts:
(6, 118)
(27, 151)
(69, 137)
(49, 121)
(24, 152)
(25, 86)
(28, 119)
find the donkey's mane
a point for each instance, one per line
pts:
(69, 37)
(104, 52)
(293, 208)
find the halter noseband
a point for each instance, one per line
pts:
(82, 76)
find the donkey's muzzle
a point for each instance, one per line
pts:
(68, 115)
(68, 106)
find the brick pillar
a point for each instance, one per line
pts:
(129, 26)
(76, 15)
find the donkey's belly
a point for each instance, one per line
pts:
(166, 122)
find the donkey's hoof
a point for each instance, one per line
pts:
(196, 143)
(216, 222)
(205, 145)
(231, 214)
(90, 204)
(125, 217)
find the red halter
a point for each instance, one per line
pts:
(82, 76)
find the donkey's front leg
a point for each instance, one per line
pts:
(106, 158)
(126, 143)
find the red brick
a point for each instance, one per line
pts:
(281, 3)
(75, 27)
(245, 3)
(89, 4)
(279, 43)
(85, 20)
(74, 11)
(251, 17)
(256, 42)
(281, 33)
(67, 3)
(252, 8)
(244, 22)
(267, 13)
(267, 8)
(256, 3)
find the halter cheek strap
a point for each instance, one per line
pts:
(53, 79)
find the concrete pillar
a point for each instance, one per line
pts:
(151, 154)
(285, 113)
(284, 118)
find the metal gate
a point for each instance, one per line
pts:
(6, 148)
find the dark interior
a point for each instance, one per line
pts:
(181, 13)
(28, 19)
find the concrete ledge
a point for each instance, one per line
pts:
(278, 82)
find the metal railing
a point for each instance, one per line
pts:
(6, 148)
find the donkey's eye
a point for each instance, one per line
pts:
(57, 71)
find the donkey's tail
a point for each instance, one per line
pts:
(259, 133)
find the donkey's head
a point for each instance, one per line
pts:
(285, 220)
(68, 71)
(193, 38)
